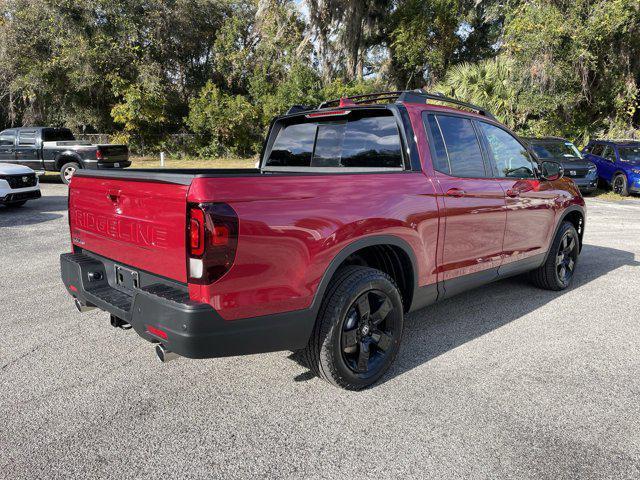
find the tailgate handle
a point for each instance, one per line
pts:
(113, 195)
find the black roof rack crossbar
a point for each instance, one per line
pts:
(408, 96)
(367, 97)
(420, 96)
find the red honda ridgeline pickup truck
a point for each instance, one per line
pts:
(362, 210)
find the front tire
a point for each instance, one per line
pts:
(619, 185)
(557, 271)
(358, 330)
(67, 171)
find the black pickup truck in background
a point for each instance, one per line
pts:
(57, 150)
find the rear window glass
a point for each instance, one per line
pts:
(58, 135)
(365, 142)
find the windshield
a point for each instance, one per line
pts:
(629, 154)
(556, 150)
(57, 135)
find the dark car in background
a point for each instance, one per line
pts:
(57, 150)
(618, 163)
(582, 171)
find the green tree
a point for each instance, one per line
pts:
(224, 123)
(490, 84)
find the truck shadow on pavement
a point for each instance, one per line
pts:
(45, 209)
(439, 328)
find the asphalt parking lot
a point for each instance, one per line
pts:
(506, 381)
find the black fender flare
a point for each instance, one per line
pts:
(565, 214)
(353, 247)
(61, 158)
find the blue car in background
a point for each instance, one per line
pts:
(618, 163)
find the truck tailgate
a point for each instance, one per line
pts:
(139, 223)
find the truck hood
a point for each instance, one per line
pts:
(10, 169)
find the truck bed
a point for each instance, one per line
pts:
(179, 176)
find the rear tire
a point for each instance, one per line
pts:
(67, 171)
(557, 271)
(619, 185)
(358, 330)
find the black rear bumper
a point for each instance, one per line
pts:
(20, 197)
(188, 328)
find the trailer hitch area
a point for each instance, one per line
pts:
(117, 322)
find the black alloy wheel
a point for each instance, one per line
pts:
(620, 185)
(358, 329)
(567, 257)
(367, 332)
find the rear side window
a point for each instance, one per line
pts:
(7, 138)
(57, 135)
(27, 137)
(456, 146)
(355, 142)
(439, 158)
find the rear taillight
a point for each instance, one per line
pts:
(98, 154)
(196, 232)
(212, 239)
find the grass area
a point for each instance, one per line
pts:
(192, 162)
(608, 195)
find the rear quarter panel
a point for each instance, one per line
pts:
(293, 226)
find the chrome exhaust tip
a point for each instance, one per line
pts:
(165, 355)
(82, 307)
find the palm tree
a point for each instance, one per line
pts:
(489, 83)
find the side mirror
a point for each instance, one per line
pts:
(551, 171)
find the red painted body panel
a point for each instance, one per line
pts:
(291, 227)
(474, 225)
(142, 224)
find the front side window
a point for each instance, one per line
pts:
(457, 148)
(7, 138)
(597, 150)
(509, 155)
(357, 142)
